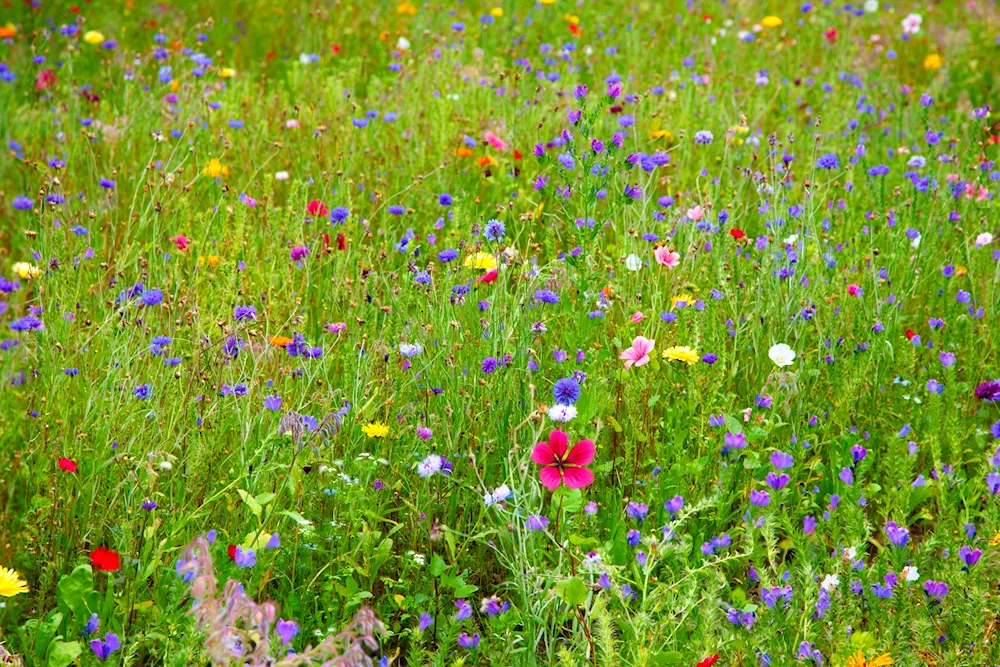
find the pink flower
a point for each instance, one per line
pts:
(638, 354)
(853, 289)
(560, 466)
(299, 253)
(695, 214)
(637, 317)
(495, 141)
(665, 257)
(181, 242)
(316, 207)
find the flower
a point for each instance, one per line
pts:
(638, 354)
(375, 430)
(93, 37)
(105, 559)
(566, 391)
(666, 257)
(933, 62)
(771, 22)
(682, 353)
(227, 72)
(215, 168)
(317, 208)
(561, 466)
(633, 262)
(984, 239)
(911, 24)
(26, 271)
(988, 390)
(103, 648)
(11, 583)
(781, 355)
(562, 413)
(66, 465)
(858, 660)
(481, 260)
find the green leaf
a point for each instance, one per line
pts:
(297, 518)
(572, 591)
(437, 566)
(251, 502)
(732, 425)
(265, 498)
(571, 500)
(863, 640)
(667, 658)
(583, 542)
(653, 400)
(62, 654)
(465, 591)
(614, 424)
(73, 591)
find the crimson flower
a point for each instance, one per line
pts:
(67, 465)
(105, 559)
(316, 207)
(709, 661)
(561, 466)
(737, 233)
(488, 277)
(232, 552)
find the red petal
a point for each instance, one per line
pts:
(577, 478)
(582, 453)
(559, 442)
(550, 477)
(542, 454)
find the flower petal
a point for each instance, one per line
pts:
(542, 454)
(577, 478)
(581, 454)
(559, 442)
(550, 477)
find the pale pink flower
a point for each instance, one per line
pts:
(984, 239)
(495, 141)
(665, 257)
(638, 354)
(637, 317)
(695, 214)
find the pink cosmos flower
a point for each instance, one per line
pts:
(495, 141)
(695, 214)
(665, 257)
(561, 466)
(638, 354)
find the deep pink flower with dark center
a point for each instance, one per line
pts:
(561, 466)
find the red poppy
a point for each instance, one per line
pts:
(75, 9)
(707, 18)
(335, 48)
(67, 465)
(232, 552)
(831, 35)
(910, 334)
(709, 661)
(316, 207)
(488, 277)
(737, 233)
(45, 79)
(517, 154)
(105, 560)
(341, 242)
(575, 29)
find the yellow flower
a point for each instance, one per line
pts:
(93, 37)
(406, 8)
(858, 660)
(933, 62)
(686, 298)
(497, 12)
(11, 583)
(175, 85)
(571, 18)
(227, 73)
(215, 168)
(26, 271)
(771, 22)
(212, 261)
(547, 2)
(995, 540)
(682, 353)
(375, 430)
(663, 134)
(481, 260)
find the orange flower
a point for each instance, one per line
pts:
(279, 341)
(485, 161)
(7, 31)
(462, 151)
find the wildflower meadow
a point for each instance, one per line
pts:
(555, 332)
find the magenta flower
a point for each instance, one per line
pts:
(561, 466)
(299, 253)
(638, 354)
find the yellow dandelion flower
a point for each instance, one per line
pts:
(93, 37)
(375, 430)
(858, 660)
(547, 2)
(771, 22)
(933, 62)
(406, 8)
(11, 583)
(995, 540)
(215, 168)
(683, 353)
(960, 271)
(211, 260)
(571, 18)
(686, 299)
(497, 12)
(227, 72)
(663, 134)
(481, 260)
(26, 271)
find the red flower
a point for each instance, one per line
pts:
(232, 552)
(488, 277)
(737, 233)
(910, 334)
(341, 242)
(316, 207)
(105, 560)
(335, 48)
(45, 79)
(709, 661)
(517, 154)
(560, 466)
(67, 465)
(831, 35)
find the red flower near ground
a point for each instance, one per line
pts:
(105, 560)
(67, 465)
(232, 552)
(709, 661)
(517, 154)
(831, 35)
(316, 207)
(737, 233)
(910, 334)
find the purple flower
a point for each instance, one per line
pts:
(969, 556)
(988, 390)
(298, 253)
(760, 498)
(242, 313)
(637, 511)
(143, 391)
(935, 589)
(464, 609)
(22, 203)
(897, 534)
(465, 641)
(536, 522)
(566, 391)
(781, 460)
(733, 441)
(245, 558)
(286, 630)
(426, 620)
(103, 648)
(272, 403)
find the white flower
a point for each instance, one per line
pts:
(403, 44)
(984, 239)
(830, 582)
(910, 573)
(633, 262)
(562, 413)
(871, 6)
(500, 494)
(281, 176)
(915, 243)
(781, 355)
(791, 239)
(850, 553)
(410, 349)
(429, 466)
(166, 465)
(911, 24)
